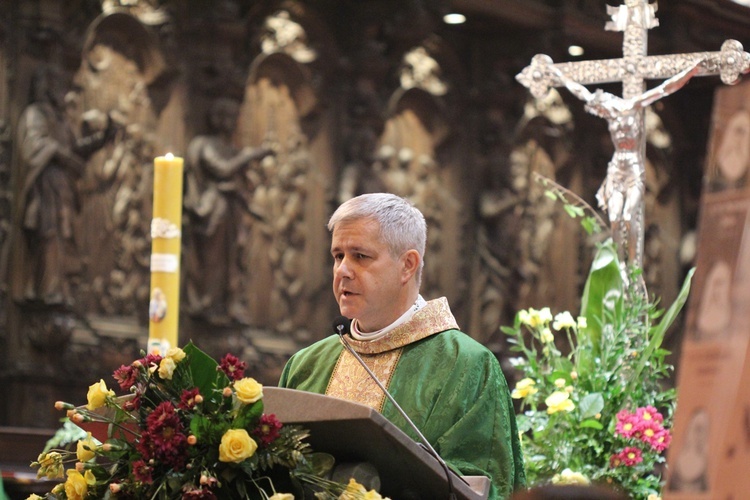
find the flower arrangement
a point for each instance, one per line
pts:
(593, 403)
(190, 428)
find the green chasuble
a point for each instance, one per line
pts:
(450, 385)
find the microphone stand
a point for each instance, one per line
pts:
(425, 443)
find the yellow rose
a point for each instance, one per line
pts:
(76, 486)
(248, 390)
(50, 465)
(281, 496)
(176, 354)
(373, 495)
(98, 394)
(567, 476)
(236, 445)
(524, 387)
(166, 368)
(84, 454)
(559, 401)
(353, 490)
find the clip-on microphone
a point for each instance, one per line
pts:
(341, 325)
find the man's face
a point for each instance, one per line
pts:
(368, 282)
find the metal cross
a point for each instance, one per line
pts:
(623, 189)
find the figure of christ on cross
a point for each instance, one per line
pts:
(622, 192)
(623, 189)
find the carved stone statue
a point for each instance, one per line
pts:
(52, 158)
(215, 201)
(622, 192)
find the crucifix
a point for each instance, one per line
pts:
(622, 192)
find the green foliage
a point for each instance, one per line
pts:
(68, 434)
(594, 405)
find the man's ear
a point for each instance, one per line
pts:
(411, 262)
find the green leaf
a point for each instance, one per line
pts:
(563, 367)
(591, 405)
(563, 374)
(590, 225)
(67, 434)
(573, 211)
(591, 424)
(198, 426)
(508, 330)
(206, 377)
(248, 415)
(657, 332)
(602, 285)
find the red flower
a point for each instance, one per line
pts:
(133, 404)
(232, 367)
(187, 399)
(647, 430)
(627, 424)
(628, 457)
(152, 360)
(193, 493)
(125, 376)
(268, 429)
(661, 440)
(164, 439)
(142, 472)
(648, 414)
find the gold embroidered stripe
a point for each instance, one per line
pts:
(350, 381)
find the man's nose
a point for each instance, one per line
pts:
(343, 269)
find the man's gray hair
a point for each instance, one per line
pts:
(402, 225)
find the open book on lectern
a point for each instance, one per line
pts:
(352, 432)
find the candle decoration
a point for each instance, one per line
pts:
(164, 302)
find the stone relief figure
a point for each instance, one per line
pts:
(123, 72)
(116, 186)
(128, 279)
(286, 202)
(284, 34)
(528, 252)
(364, 124)
(52, 159)
(286, 195)
(216, 199)
(407, 163)
(622, 191)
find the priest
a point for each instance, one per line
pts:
(450, 386)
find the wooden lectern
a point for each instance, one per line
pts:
(353, 432)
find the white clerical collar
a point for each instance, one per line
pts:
(358, 335)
